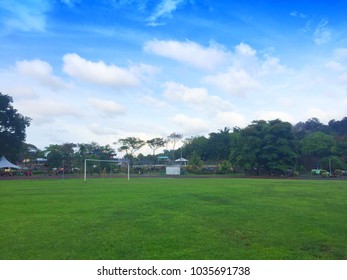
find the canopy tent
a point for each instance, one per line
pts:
(182, 161)
(4, 163)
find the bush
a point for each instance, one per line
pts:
(338, 173)
(324, 173)
(224, 167)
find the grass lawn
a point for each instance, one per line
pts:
(173, 219)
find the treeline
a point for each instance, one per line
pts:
(262, 148)
(274, 147)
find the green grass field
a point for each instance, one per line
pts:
(173, 219)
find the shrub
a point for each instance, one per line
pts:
(338, 173)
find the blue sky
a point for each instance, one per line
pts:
(103, 70)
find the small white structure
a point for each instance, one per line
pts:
(182, 161)
(173, 170)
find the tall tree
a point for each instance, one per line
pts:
(12, 128)
(339, 127)
(196, 147)
(218, 147)
(247, 147)
(317, 144)
(130, 145)
(174, 138)
(280, 149)
(155, 144)
(312, 125)
(268, 147)
(55, 155)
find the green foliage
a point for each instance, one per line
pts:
(130, 145)
(268, 147)
(317, 144)
(339, 127)
(196, 146)
(224, 167)
(156, 143)
(218, 147)
(12, 129)
(334, 162)
(195, 160)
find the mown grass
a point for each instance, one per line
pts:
(173, 219)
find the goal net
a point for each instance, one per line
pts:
(104, 168)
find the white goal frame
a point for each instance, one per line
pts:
(101, 160)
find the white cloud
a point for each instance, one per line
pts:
(272, 65)
(321, 114)
(100, 129)
(45, 110)
(298, 14)
(70, 3)
(191, 126)
(98, 72)
(248, 72)
(322, 33)
(164, 9)
(335, 66)
(237, 82)
(154, 102)
(21, 92)
(108, 107)
(286, 101)
(231, 119)
(340, 53)
(343, 78)
(144, 71)
(215, 103)
(189, 53)
(272, 115)
(245, 50)
(25, 15)
(245, 57)
(197, 98)
(40, 71)
(179, 92)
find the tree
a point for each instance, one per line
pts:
(31, 152)
(317, 144)
(314, 147)
(195, 147)
(174, 138)
(130, 145)
(341, 148)
(302, 129)
(12, 128)
(339, 127)
(54, 155)
(218, 147)
(247, 147)
(265, 147)
(279, 150)
(155, 144)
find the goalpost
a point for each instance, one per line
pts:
(102, 160)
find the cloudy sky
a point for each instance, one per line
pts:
(103, 70)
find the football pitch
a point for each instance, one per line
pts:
(173, 219)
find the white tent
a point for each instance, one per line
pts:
(4, 163)
(182, 161)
